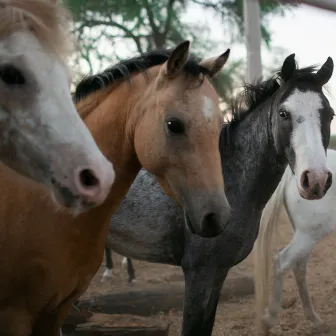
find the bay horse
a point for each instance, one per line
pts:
(167, 115)
(311, 221)
(274, 124)
(41, 133)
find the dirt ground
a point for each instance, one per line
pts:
(236, 316)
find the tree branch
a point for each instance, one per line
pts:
(151, 18)
(169, 18)
(111, 23)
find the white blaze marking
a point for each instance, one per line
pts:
(306, 136)
(207, 108)
(47, 123)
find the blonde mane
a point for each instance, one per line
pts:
(46, 19)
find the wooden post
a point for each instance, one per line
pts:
(253, 39)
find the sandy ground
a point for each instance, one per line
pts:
(236, 316)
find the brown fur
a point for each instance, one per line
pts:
(48, 257)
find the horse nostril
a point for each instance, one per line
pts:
(210, 218)
(210, 225)
(88, 179)
(305, 179)
(329, 181)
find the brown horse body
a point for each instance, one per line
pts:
(49, 257)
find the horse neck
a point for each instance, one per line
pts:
(112, 123)
(252, 169)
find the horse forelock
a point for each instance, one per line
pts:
(46, 20)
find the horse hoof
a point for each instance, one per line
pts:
(132, 282)
(103, 279)
(263, 330)
(320, 326)
(107, 275)
(267, 323)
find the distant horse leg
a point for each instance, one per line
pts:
(298, 249)
(109, 265)
(130, 271)
(300, 272)
(46, 325)
(202, 291)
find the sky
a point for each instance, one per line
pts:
(308, 32)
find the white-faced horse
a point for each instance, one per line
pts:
(41, 133)
(283, 120)
(311, 221)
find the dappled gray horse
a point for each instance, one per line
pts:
(286, 120)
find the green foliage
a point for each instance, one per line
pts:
(108, 30)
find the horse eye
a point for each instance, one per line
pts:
(11, 75)
(283, 114)
(175, 126)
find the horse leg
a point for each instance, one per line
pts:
(50, 324)
(300, 272)
(299, 248)
(109, 265)
(15, 322)
(131, 272)
(47, 325)
(202, 291)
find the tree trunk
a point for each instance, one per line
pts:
(253, 39)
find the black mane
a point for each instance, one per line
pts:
(258, 92)
(255, 94)
(123, 70)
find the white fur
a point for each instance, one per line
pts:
(312, 220)
(306, 136)
(124, 262)
(39, 120)
(107, 274)
(208, 108)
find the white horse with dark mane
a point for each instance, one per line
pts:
(311, 221)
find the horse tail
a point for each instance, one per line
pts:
(262, 253)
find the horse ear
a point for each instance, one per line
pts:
(177, 59)
(326, 71)
(288, 67)
(215, 64)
